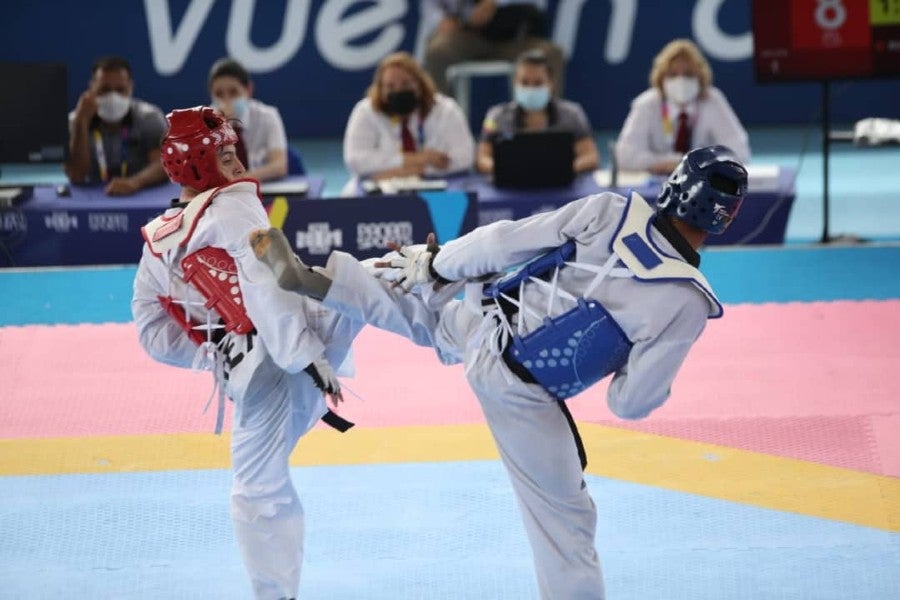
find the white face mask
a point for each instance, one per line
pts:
(681, 89)
(113, 106)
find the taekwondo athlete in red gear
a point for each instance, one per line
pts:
(611, 286)
(202, 300)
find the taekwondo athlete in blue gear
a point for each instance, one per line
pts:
(605, 263)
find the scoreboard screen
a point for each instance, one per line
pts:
(796, 40)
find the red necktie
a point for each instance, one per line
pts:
(683, 137)
(239, 148)
(409, 144)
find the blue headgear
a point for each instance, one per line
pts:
(705, 189)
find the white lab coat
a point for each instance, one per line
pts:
(263, 131)
(372, 141)
(644, 141)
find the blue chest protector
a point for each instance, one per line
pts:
(570, 352)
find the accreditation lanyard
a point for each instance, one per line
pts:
(100, 151)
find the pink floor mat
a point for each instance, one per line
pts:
(813, 381)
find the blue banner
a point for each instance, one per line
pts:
(88, 228)
(314, 58)
(364, 226)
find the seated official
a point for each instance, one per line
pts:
(262, 142)
(114, 138)
(404, 127)
(534, 109)
(681, 110)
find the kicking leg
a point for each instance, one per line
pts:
(540, 454)
(350, 288)
(273, 248)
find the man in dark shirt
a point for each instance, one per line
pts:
(472, 30)
(114, 138)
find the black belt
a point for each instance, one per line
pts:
(335, 420)
(523, 374)
(516, 367)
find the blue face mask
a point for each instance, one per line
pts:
(239, 107)
(532, 98)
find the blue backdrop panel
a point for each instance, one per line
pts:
(363, 226)
(314, 58)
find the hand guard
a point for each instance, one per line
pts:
(325, 379)
(415, 267)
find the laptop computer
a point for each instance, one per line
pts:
(534, 159)
(287, 185)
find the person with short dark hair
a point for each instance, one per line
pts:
(113, 137)
(263, 143)
(536, 107)
(473, 30)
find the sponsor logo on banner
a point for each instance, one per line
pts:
(371, 236)
(337, 31)
(319, 238)
(61, 221)
(108, 222)
(13, 222)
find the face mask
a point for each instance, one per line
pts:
(112, 107)
(401, 103)
(532, 98)
(681, 89)
(239, 106)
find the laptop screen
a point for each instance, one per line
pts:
(534, 159)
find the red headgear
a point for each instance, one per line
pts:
(189, 148)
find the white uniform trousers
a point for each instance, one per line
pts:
(265, 509)
(532, 434)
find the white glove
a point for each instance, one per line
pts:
(379, 267)
(325, 379)
(415, 267)
(414, 263)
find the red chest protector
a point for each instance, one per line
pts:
(211, 271)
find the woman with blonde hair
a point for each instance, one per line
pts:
(681, 110)
(405, 127)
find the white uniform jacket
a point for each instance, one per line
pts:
(644, 140)
(291, 331)
(662, 317)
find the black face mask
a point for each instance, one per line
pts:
(401, 103)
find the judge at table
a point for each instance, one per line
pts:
(536, 108)
(114, 138)
(404, 127)
(681, 110)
